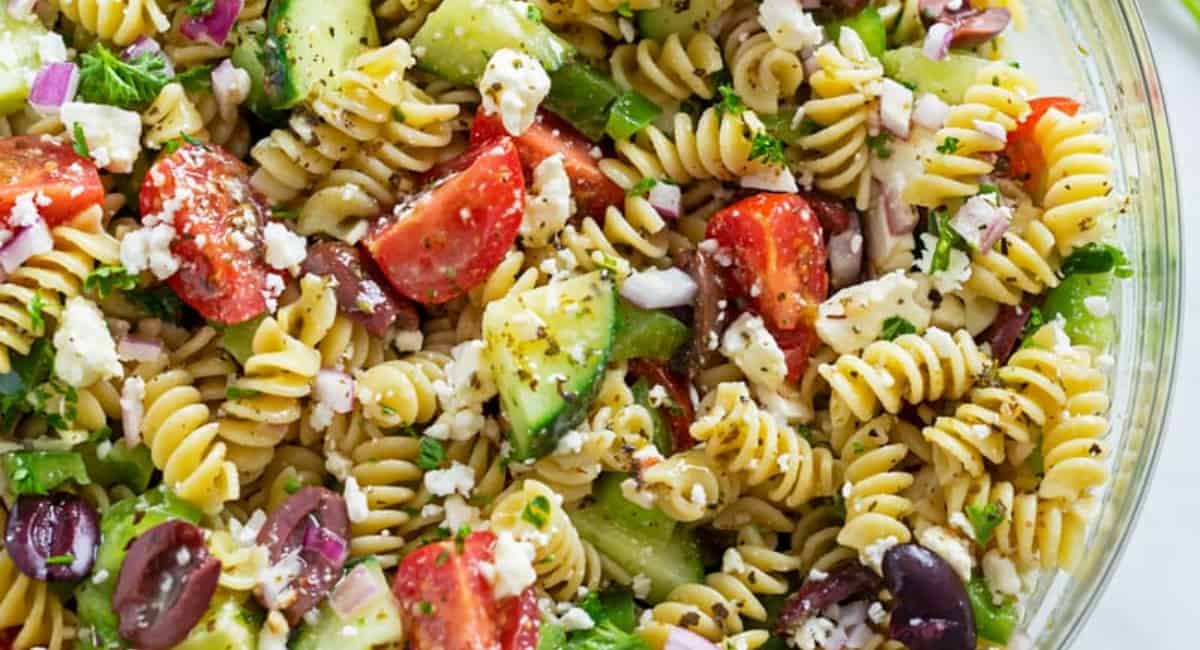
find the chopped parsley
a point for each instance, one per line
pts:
(947, 238)
(730, 101)
(625, 10)
(533, 13)
(769, 149)
(879, 144)
(431, 454)
(65, 558)
(280, 212)
(990, 188)
(197, 8)
(948, 146)
(236, 392)
(642, 187)
(108, 278)
(896, 326)
(1098, 258)
(35, 313)
(105, 79)
(80, 144)
(537, 511)
(984, 520)
(196, 79)
(1035, 322)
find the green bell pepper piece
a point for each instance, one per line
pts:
(40, 472)
(647, 334)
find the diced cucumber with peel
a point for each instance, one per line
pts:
(547, 348)
(647, 334)
(376, 623)
(22, 59)
(460, 36)
(1070, 300)
(581, 95)
(668, 564)
(869, 26)
(310, 42)
(662, 435)
(227, 625)
(948, 78)
(683, 17)
(651, 524)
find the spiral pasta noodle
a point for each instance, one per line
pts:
(1079, 178)
(815, 540)
(764, 74)
(386, 470)
(717, 146)
(172, 115)
(1073, 451)
(668, 72)
(875, 508)
(29, 605)
(1018, 264)
(401, 392)
(636, 233)
(119, 21)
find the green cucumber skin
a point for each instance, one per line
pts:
(651, 525)
(683, 17)
(668, 565)
(1081, 325)
(225, 626)
(647, 334)
(948, 78)
(378, 625)
(285, 86)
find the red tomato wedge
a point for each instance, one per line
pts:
(798, 346)
(681, 414)
(447, 602)
(592, 190)
(451, 237)
(31, 163)
(1026, 163)
(204, 191)
(778, 256)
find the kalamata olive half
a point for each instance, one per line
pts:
(932, 609)
(311, 528)
(165, 585)
(53, 537)
(845, 580)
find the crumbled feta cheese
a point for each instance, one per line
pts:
(648, 453)
(272, 289)
(949, 279)
(817, 575)
(788, 25)
(549, 204)
(570, 443)
(284, 248)
(247, 534)
(514, 565)
(641, 586)
(408, 340)
(356, 501)
(25, 211)
(150, 248)
(752, 348)
(876, 613)
(853, 317)
(113, 135)
(84, 350)
(1001, 575)
(576, 619)
(275, 580)
(459, 513)
(274, 634)
(658, 396)
(772, 178)
(698, 496)
(444, 482)
(872, 555)
(813, 633)
(955, 551)
(526, 325)
(513, 84)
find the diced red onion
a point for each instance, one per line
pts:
(992, 130)
(836, 639)
(215, 26)
(853, 613)
(930, 111)
(137, 348)
(890, 221)
(775, 178)
(335, 389)
(981, 222)
(937, 41)
(858, 636)
(21, 9)
(31, 240)
(327, 543)
(353, 592)
(132, 410)
(660, 288)
(667, 199)
(147, 45)
(681, 639)
(900, 217)
(895, 108)
(846, 255)
(54, 85)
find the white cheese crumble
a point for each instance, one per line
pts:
(513, 84)
(872, 555)
(459, 513)
(514, 566)
(1001, 574)
(356, 501)
(458, 478)
(150, 248)
(788, 25)
(641, 586)
(549, 205)
(576, 619)
(84, 350)
(274, 634)
(853, 317)
(113, 135)
(752, 348)
(25, 211)
(957, 271)
(284, 248)
(468, 384)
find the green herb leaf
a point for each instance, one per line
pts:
(236, 392)
(537, 511)
(947, 239)
(197, 8)
(642, 187)
(40, 472)
(108, 278)
(105, 79)
(80, 144)
(1098, 257)
(1035, 322)
(35, 313)
(279, 212)
(730, 102)
(65, 558)
(948, 146)
(769, 149)
(196, 78)
(990, 188)
(158, 302)
(534, 14)
(625, 10)
(896, 326)
(984, 520)
(431, 455)
(879, 144)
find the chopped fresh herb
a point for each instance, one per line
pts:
(35, 313)
(398, 115)
(949, 145)
(879, 144)
(171, 146)
(1098, 257)
(196, 78)
(80, 144)
(990, 188)
(236, 392)
(292, 485)
(984, 520)
(57, 402)
(534, 14)
(947, 238)
(858, 447)
(769, 149)
(159, 302)
(730, 101)
(1014, 64)
(625, 10)
(426, 607)
(909, 85)
(27, 371)
(896, 326)
(280, 212)
(537, 511)
(105, 279)
(1035, 322)
(441, 558)
(197, 8)
(642, 187)
(41, 472)
(65, 558)
(105, 79)
(431, 454)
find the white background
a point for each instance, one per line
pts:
(1154, 602)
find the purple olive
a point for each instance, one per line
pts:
(312, 525)
(933, 611)
(53, 537)
(165, 585)
(843, 581)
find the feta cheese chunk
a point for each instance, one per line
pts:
(113, 135)
(513, 85)
(444, 482)
(576, 619)
(549, 204)
(788, 25)
(285, 249)
(957, 271)
(150, 248)
(84, 350)
(752, 348)
(853, 317)
(514, 566)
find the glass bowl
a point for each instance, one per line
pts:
(1098, 50)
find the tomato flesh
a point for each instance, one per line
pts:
(1026, 162)
(204, 191)
(30, 163)
(778, 256)
(450, 238)
(447, 602)
(798, 346)
(681, 414)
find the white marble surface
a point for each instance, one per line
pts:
(1153, 602)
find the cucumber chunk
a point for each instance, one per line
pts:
(581, 95)
(227, 625)
(651, 524)
(309, 42)
(667, 564)
(647, 334)
(376, 623)
(869, 26)
(1069, 299)
(547, 348)
(460, 36)
(948, 78)
(20, 41)
(662, 435)
(248, 55)
(683, 17)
